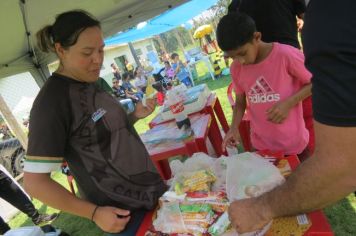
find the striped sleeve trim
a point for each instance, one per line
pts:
(35, 164)
(44, 159)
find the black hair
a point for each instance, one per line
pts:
(157, 86)
(234, 30)
(174, 55)
(65, 30)
(234, 6)
(167, 63)
(125, 75)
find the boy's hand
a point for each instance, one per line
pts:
(231, 139)
(107, 219)
(278, 112)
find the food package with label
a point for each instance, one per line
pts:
(198, 181)
(194, 99)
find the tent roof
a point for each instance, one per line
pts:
(164, 22)
(15, 16)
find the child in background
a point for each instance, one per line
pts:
(140, 80)
(168, 71)
(273, 78)
(180, 70)
(160, 93)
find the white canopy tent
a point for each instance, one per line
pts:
(21, 19)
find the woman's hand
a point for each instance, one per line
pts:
(111, 219)
(142, 111)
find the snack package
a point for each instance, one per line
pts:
(220, 226)
(194, 182)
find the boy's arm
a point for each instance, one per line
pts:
(238, 110)
(232, 137)
(279, 111)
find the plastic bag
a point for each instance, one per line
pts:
(169, 219)
(250, 175)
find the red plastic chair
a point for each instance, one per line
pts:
(244, 127)
(308, 119)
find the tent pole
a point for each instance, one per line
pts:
(132, 50)
(179, 41)
(191, 37)
(13, 123)
(161, 43)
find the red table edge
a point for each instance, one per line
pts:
(146, 223)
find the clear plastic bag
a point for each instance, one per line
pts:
(169, 219)
(250, 175)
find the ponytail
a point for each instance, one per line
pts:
(65, 30)
(45, 39)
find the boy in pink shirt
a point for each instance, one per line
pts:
(272, 77)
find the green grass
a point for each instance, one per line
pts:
(341, 216)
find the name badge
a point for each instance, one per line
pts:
(98, 114)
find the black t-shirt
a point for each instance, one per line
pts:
(275, 19)
(329, 39)
(119, 92)
(87, 127)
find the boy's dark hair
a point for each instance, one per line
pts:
(167, 63)
(174, 55)
(234, 30)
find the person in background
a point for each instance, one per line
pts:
(160, 96)
(330, 175)
(277, 20)
(73, 120)
(116, 71)
(129, 89)
(180, 70)
(168, 71)
(14, 195)
(129, 68)
(273, 78)
(140, 81)
(118, 90)
(126, 100)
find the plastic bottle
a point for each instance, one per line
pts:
(176, 104)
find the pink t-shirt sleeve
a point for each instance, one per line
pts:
(295, 65)
(236, 82)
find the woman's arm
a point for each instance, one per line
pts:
(42, 187)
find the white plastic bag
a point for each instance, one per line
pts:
(250, 175)
(169, 219)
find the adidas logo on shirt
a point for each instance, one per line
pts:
(261, 92)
